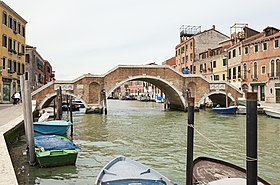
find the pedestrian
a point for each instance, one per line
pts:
(14, 99)
(17, 97)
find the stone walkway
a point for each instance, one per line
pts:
(10, 116)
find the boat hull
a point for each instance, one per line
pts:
(228, 110)
(123, 171)
(272, 113)
(51, 128)
(56, 157)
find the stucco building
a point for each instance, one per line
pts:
(13, 31)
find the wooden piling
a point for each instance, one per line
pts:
(251, 138)
(29, 122)
(190, 141)
(22, 89)
(71, 116)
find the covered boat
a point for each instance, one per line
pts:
(226, 110)
(123, 171)
(216, 172)
(54, 150)
(56, 127)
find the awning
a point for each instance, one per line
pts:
(257, 84)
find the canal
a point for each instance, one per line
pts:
(157, 138)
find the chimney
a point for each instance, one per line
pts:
(213, 27)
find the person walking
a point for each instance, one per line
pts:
(17, 97)
(14, 99)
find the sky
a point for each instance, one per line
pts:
(94, 36)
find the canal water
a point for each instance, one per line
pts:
(146, 133)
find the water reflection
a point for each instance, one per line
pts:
(157, 138)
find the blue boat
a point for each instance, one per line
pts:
(56, 127)
(226, 110)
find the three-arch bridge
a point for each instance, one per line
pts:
(174, 85)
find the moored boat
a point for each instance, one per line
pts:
(124, 171)
(54, 150)
(56, 127)
(216, 172)
(241, 109)
(272, 112)
(226, 110)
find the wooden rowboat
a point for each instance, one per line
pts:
(213, 172)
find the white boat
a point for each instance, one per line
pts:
(272, 112)
(49, 110)
(241, 109)
(124, 171)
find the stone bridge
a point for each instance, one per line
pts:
(174, 85)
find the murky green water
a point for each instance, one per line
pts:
(146, 133)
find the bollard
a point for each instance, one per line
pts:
(190, 141)
(251, 138)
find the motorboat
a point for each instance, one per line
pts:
(272, 112)
(124, 171)
(226, 110)
(56, 127)
(241, 109)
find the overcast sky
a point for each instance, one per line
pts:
(94, 36)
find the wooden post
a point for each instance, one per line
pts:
(29, 121)
(251, 138)
(58, 105)
(190, 141)
(54, 114)
(71, 116)
(104, 101)
(22, 89)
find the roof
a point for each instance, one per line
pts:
(260, 37)
(14, 12)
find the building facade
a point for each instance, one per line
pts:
(34, 68)
(48, 73)
(13, 31)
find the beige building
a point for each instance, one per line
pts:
(13, 28)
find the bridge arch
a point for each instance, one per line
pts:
(174, 96)
(49, 97)
(212, 94)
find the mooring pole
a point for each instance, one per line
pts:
(190, 141)
(22, 89)
(104, 101)
(29, 122)
(58, 104)
(251, 138)
(71, 116)
(54, 114)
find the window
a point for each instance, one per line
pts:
(255, 70)
(9, 65)
(22, 49)
(14, 46)
(239, 50)
(10, 22)
(183, 49)
(19, 28)
(246, 50)
(186, 47)
(229, 74)
(272, 68)
(10, 44)
(278, 67)
(23, 31)
(27, 58)
(239, 71)
(4, 41)
(15, 66)
(229, 55)
(191, 56)
(22, 68)
(18, 47)
(191, 45)
(224, 62)
(276, 43)
(216, 77)
(264, 46)
(256, 48)
(187, 58)
(214, 64)
(224, 77)
(263, 70)
(245, 71)
(49, 71)
(15, 25)
(234, 73)
(18, 68)
(183, 60)
(3, 63)
(4, 18)
(201, 67)
(233, 53)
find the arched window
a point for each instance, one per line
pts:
(272, 68)
(245, 71)
(255, 70)
(278, 67)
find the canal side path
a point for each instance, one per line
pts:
(10, 116)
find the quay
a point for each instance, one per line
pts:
(10, 118)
